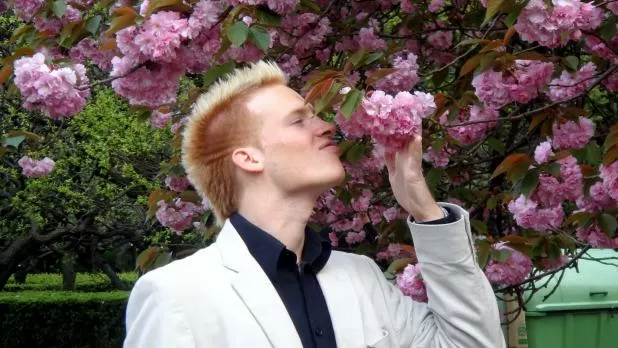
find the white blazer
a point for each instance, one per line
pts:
(221, 297)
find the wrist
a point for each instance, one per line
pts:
(428, 213)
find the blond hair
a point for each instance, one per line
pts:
(219, 123)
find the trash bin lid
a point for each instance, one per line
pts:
(592, 285)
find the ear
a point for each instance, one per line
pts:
(248, 159)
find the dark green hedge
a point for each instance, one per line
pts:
(89, 282)
(61, 319)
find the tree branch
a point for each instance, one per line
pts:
(532, 112)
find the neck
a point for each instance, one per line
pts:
(283, 217)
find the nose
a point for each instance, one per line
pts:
(325, 129)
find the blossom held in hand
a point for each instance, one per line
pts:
(410, 282)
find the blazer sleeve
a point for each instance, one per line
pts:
(153, 320)
(462, 310)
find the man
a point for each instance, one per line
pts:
(255, 149)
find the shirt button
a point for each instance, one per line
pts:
(319, 332)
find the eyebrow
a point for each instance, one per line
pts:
(302, 111)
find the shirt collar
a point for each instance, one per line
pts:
(269, 251)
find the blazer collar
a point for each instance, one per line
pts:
(253, 286)
(256, 290)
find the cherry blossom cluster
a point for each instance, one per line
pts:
(33, 168)
(390, 121)
(524, 83)
(470, 133)
(568, 85)
(178, 215)
(556, 26)
(57, 91)
(513, 271)
(410, 282)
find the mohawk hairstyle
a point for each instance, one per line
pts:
(219, 123)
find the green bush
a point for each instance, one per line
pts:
(62, 319)
(89, 282)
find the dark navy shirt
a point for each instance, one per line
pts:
(297, 284)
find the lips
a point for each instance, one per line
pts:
(330, 146)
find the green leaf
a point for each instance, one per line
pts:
(571, 62)
(268, 17)
(357, 57)
(323, 102)
(511, 18)
(14, 141)
(351, 102)
(372, 57)
(59, 7)
(310, 4)
(492, 9)
(482, 253)
(501, 255)
(593, 153)
(260, 38)
(237, 33)
(93, 24)
(553, 169)
(398, 265)
(530, 182)
(479, 226)
(608, 224)
(433, 177)
(492, 202)
(218, 71)
(496, 145)
(355, 153)
(162, 260)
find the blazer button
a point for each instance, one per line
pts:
(319, 332)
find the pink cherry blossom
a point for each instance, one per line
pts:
(543, 152)
(609, 175)
(36, 168)
(523, 84)
(552, 264)
(27, 9)
(435, 5)
(438, 159)
(470, 133)
(204, 16)
(403, 79)
(334, 240)
(392, 121)
(528, 214)
(151, 86)
(513, 271)
(572, 135)
(177, 183)
(554, 28)
(90, 49)
(568, 85)
(594, 236)
(598, 200)
(56, 92)
(178, 215)
(355, 237)
(160, 119)
(411, 283)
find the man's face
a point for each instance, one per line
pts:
(298, 151)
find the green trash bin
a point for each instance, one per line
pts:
(582, 312)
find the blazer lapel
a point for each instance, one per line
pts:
(256, 290)
(343, 304)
